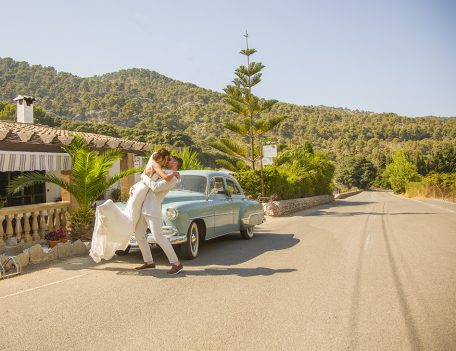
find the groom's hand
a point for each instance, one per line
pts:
(131, 190)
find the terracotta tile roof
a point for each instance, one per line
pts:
(16, 132)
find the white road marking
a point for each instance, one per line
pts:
(42, 286)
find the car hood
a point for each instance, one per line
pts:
(178, 196)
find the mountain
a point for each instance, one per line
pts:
(143, 103)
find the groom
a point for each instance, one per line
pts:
(152, 217)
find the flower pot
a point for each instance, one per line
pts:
(52, 243)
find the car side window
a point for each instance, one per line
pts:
(232, 187)
(217, 186)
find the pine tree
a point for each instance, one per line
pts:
(243, 102)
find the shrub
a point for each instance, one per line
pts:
(437, 185)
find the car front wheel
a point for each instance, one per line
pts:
(247, 233)
(190, 248)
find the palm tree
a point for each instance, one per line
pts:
(89, 180)
(189, 159)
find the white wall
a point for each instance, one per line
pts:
(24, 112)
(52, 190)
(139, 162)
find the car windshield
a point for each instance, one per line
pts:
(189, 182)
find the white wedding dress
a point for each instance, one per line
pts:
(114, 226)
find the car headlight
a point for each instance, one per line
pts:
(171, 213)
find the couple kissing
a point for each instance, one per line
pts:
(114, 227)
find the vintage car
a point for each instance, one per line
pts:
(205, 205)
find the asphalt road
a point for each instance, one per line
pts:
(371, 272)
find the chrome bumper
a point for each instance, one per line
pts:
(254, 219)
(169, 232)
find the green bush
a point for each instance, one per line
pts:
(436, 185)
(298, 173)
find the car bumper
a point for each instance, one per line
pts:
(254, 219)
(169, 232)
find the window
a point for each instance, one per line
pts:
(190, 182)
(232, 187)
(217, 186)
(32, 195)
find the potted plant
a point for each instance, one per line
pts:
(56, 236)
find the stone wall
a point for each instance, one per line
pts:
(280, 208)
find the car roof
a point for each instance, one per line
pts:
(206, 173)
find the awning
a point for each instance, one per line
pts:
(13, 161)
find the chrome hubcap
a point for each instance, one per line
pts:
(194, 238)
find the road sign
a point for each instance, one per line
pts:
(267, 161)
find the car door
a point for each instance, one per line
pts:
(237, 197)
(221, 206)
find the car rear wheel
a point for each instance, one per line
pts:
(247, 233)
(190, 248)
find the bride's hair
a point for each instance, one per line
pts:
(161, 153)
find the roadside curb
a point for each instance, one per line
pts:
(285, 207)
(347, 194)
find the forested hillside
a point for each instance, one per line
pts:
(147, 106)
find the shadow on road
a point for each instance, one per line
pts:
(240, 272)
(228, 250)
(349, 214)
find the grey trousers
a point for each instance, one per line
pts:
(155, 226)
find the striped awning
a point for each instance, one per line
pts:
(11, 161)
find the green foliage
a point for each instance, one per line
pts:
(189, 158)
(7, 111)
(89, 178)
(400, 172)
(143, 105)
(438, 185)
(299, 172)
(355, 171)
(231, 166)
(249, 108)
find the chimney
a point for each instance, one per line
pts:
(24, 108)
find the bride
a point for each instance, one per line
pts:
(114, 226)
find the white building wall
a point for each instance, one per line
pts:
(113, 171)
(53, 191)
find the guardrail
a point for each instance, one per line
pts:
(31, 222)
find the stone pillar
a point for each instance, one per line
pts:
(66, 196)
(127, 162)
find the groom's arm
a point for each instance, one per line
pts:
(159, 185)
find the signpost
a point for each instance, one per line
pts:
(267, 154)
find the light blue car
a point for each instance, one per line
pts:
(205, 205)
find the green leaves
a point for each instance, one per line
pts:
(241, 101)
(190, 159)
(400, 172)
(247, 52)
(231, 148)
(90, 173)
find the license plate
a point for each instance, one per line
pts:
(133, 240)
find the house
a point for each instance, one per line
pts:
(29, 147)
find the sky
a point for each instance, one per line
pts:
(381, 56)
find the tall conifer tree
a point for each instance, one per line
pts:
(249, 107)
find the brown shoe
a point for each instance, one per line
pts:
(176, 268)
(146, 266)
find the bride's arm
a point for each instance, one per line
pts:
(159, 185)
